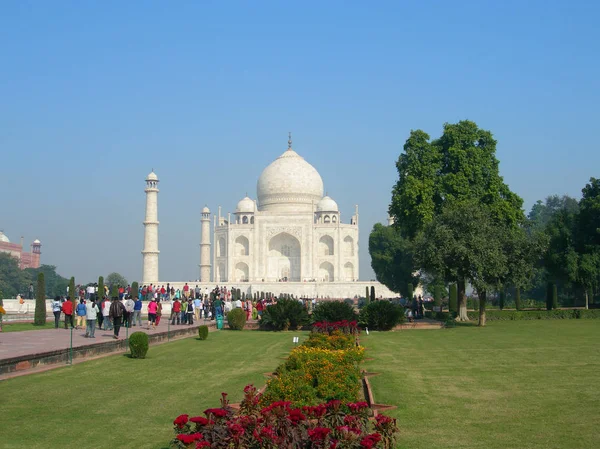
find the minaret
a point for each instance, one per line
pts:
(150, 252)
(205, 246)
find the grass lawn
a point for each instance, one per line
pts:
(17, 327)
(117, 402)
(528, 384)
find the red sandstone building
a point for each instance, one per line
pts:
(26, 260)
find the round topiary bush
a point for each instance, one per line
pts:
(286, 314)
(236, 319)
(138, 345)
(333, 311)
(381, 315)
(203, 332)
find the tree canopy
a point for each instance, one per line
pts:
(116, 279)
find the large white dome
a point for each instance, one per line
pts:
(4, 238)
(289, 183)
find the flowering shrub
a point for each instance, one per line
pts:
(336, 340)
(328, 327)
(280, 425)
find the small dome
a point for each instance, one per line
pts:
(205, 210)
(327, 205)
(246, 205)
(4, 238)
(37, 242)
(152, 176)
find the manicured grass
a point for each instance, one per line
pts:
(509, 385)
(118, 402)
(18, 327)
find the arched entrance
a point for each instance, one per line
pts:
(326, 272)
(284, 258)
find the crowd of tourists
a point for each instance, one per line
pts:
(188, 305)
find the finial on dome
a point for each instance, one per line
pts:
(289, 140)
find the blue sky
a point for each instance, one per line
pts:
(95, 94)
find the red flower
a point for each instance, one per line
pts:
(382, 419)
(370, 440)
(201, 444)
(201, 420)
(318, 433)
(217, 412)
(189, 438)
(235, 429)
(181, 421)
(295, 416)
(333, 444)
(333, 404)
(357, 406)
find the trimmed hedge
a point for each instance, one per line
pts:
(287, 314)
(138, 345)
(334, 311)
(203, 332)
(381, 315)
(236, 319)
(524, 315)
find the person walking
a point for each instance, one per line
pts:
(67, 308)
(158, 311)
(137, 311)
(30, 291)
(99, 302)
(190, 312)
(175, 311)
(91, 314)
(197, 307)
(129, 308)
(81, 311)
(106, 314)
(152, 314)
(117, 309)
(56, 308)
(184, 305)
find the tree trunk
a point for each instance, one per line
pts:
(482, 299)
(587, 299)
(462, 301)
(518, 298)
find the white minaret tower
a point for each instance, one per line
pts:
(205, 246)
(150, 252)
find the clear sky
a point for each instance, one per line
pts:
(94, 94)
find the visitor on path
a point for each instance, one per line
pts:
(81, 311)
(197, 306)
(91, 314)
(56, 311)
(67, 308)
(190, 312)
(248, 309)
(218, 305)
(137, 312)
(186, 291)
(99, 302)
(158, 311)
(175, 311)
(184, 305)
(2, 313)
(117, 309)
(106, 314)
(196, 293)
(152, 314)
(30, 291)
(129, 308)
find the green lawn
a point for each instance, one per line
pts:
(117, 402)
(508, 385)
(519, 385)
(17, 327)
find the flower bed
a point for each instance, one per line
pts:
(312, 402)
(332, 425)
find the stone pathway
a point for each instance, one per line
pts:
(16, 344)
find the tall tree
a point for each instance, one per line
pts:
(39, 318)
(542, 212)
(13, 280)
(116, 279)
(73, 293)
(471, 250)
(588, 239)
(100, 288)
(457, 168)
(56, 285)
(135, 289)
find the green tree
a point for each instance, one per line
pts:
(471, 250)
(135, 288)
(437, 295)
(542, 212)
(453, 299)
(40, 301)
(410, 292)
(73, 293)
(116, 279)
(392, 258)
(13, 280)
(458, 168)
(114, 291)
(518, 298)
(588, 239)
(100, 288)
(56, 285)
(501, 299)
(372, 293)
(367, 296)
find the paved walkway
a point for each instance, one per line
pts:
(15, 344)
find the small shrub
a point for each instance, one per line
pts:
(334, 311)
(203, 332)
(138, 345)
(286, 314)
(381, 315)
(236, 319)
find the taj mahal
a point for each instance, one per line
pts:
(290, 239)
